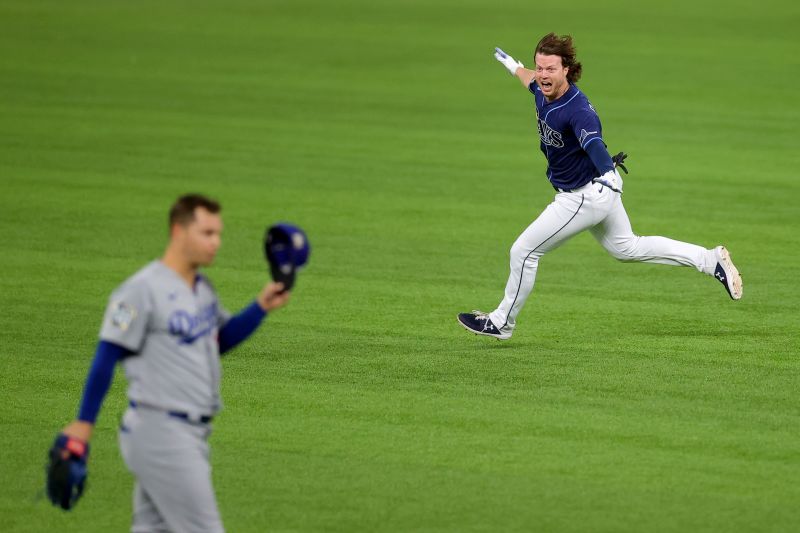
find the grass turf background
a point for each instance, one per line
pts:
(632, 397)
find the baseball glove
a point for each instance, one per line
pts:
(286, 248)
(66, 471)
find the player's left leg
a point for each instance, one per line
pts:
(146, 518)
(615, 234)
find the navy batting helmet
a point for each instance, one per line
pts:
(287, 249)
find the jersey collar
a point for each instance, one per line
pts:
(566, 96)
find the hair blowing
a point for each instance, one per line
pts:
(182, 211)
(553, 45)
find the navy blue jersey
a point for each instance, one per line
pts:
(566, 127)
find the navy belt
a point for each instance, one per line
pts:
(201, 419)
(559, 189)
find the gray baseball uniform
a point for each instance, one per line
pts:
(173, 376)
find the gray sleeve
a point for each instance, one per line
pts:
(127, 315)
(223, 315)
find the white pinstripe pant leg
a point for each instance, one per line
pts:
(568, 214)
(614, 233)
(601, 210)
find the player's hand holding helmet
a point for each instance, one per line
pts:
(509, 62)
(610, 179)
(286, 248)
(66, 471)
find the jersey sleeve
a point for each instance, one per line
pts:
(127, 316)
(223, 315)
(586, 126)
(241, 326)
(532, 87)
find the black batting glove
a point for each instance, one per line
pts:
(618, 161)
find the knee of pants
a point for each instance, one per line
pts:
(520, 253)
(623, 249)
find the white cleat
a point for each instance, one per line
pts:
(727, 274)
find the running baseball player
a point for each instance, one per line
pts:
(168, 329)
(588, 191)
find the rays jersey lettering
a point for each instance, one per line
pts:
(548, 135)
(566, 127)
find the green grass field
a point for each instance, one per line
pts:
(631, 398)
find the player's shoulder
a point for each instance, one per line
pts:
(578, 98)
(148, 273)
(135, 294)
(201, 280)
(142, 279)
(580, 104)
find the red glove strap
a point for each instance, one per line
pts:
(75, 446)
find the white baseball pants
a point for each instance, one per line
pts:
(599, 210)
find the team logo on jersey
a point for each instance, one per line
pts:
(191, 327)
(122, 315)
(585, 134)
(549, 136)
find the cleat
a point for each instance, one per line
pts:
(478, 323)
(727, 274)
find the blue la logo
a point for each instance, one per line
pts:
(191, 327)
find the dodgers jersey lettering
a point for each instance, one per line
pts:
(566, 127)
(172, 331)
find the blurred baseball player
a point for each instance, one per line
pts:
(166, 326)
(588, 187)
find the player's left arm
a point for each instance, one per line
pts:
(242, 325)
(587, 129)
(600, 157)
(608, 174)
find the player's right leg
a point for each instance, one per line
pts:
(169, 458)
(567, 215)
(615, 234)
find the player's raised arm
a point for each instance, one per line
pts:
(515, 67)
(240, 327)
(286, 249)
